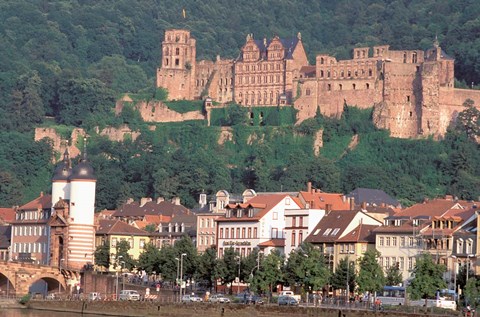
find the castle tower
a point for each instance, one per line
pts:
(60, 183)
(81, 231)
(177, 71)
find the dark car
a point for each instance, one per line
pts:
(287, 300)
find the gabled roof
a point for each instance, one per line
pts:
(165, 208)
(332, 226)
(430, 208)
(289, 46)
(372, 197)
(320, 200)
(261, 204)
(117, 227)
(362, 233)
(41, 202)
(7, 214)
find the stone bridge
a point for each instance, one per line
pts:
(16, 278)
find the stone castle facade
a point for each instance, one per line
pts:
(412, 91)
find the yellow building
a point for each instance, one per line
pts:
(114, 231)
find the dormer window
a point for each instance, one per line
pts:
(239, 213)
(250, 213)
(228, 214)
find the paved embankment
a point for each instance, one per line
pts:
(143, 309)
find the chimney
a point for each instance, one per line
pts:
(309, 187)
(160, 199)
(425, 200)
(203, 200)
(176, 201)
(449, 197)
(41, 194)
(364, 205)
(144, 200)
(344, 198)
(130, 200)
(328, 208)
(352, 203)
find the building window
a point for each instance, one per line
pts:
(300, 221)
(238, 233)
(243, 233)
(177, 62)
(408, 98)
(275, 215)
(221, 233)
(307, 92)
(249, 233)
(394, 241)
(402, 241)
(114, 242)
(468, 247)
(294, 221)
(387, 262)
(381, 241)
(340, 87)
(227, 233)
(255, 233)
(410, 242)
(293, 238)
(300, 236)
(274, 233)
(410, 263)
(130, 242)
(142, 244)
(388, 241)
(401, 263)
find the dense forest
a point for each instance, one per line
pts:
(64, 63)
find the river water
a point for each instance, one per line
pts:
(38, 313)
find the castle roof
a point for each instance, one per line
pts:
(289, 46)
(64, 169)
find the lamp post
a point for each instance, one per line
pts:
(238, 284)
(116, 271)
(123, 275)
(181, 274)
(348, 284)
(454, 277)
(468, 266)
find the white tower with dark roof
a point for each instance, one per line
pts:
(60, 179)
(81, 230)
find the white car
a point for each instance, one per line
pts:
(129, 295)
(219, 298)
(191, 298)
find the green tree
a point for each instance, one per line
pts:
(122, 255)
(428, 278)
(11, 189)
(394, 276)
(207, 270)
(150, 259)
(27, 105)
(344, 272)
(468, 120)
(228, 266)
(370, 275)
(102, 255)
(270, 272)
(472, 292)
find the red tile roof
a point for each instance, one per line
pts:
(7, 214)
(435, 207)
(165, 208)
(262, 204)
(273, 243)
(41, 202)
(117, 227)
(362, 233)
(320, 200)
(332, 226)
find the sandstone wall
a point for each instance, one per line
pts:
(156, 111)
(59, 144)
(203, 310)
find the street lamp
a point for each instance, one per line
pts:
(454, 277)
(181, 273)
(238, 284)
(178, 270)
(123, 275)
(348, 284)
(60, 267)
(116, 271)
(468, 265)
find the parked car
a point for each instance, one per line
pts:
(129, 295)
(191, 298)
(218, 298)
(287, 300)
(248, 298)
(94, 296)
(51, 296)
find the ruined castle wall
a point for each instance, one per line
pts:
(221, 84)
(307, 102)
(177, 82)
(204, 70)
(430, 123)
(156, 111)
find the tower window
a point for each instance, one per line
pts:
(177, 51)
(177, 62)
(408, 98)
(367, 85)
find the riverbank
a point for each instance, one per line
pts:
(147, 309)
(10, 304)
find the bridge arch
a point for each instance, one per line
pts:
(46, 283)
(7, 287)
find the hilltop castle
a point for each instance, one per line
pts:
(412, 91)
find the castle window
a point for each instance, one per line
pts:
(197, 82)
(354, 86)
(177, 51)
(321, 73)
(307, 92)
(340, 87)
(278, 66)
(186, 52)
(356, 73)
(342, 73)
(414, 58)
(329, 87)
(166, 61)
(404, 57)
(349, 73)
(177, 62)
(328, 74)
(321, 60)
(411, 114)
(370, 72)
(367, 85)
(203, 82)
(408, 98)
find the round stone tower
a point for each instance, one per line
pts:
(60, 182)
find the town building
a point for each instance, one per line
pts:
(111, 232)
(258, 223)
(7, 215)
(5, 243)
(343, 234)
(426, 227)
(412, 91)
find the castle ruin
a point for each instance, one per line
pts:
(412, 91)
